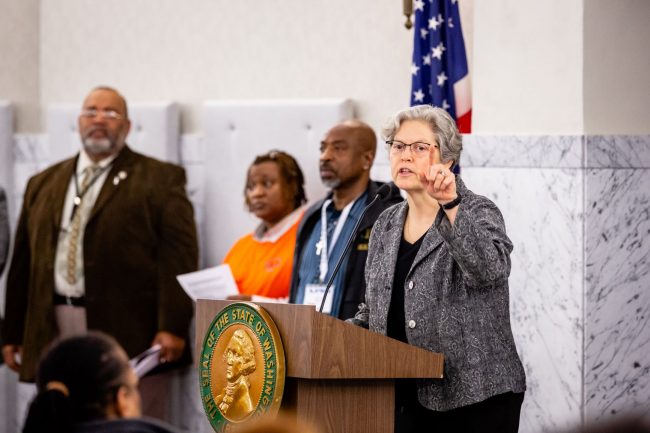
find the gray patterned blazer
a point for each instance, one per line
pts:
(456, 300)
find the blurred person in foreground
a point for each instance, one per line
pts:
(283, 422)
(261, 261)
(437, 278)
(86, 385)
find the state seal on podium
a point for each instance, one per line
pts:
(242, 366)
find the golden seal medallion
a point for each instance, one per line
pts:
(241, 370)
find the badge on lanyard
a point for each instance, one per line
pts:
(322, 248)
(314, 296)
(314, 292)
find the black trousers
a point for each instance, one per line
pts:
(498, 414)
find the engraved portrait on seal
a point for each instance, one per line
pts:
(235, 400)
(242, 366)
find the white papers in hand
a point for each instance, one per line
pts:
(211, 283)
(146, 361)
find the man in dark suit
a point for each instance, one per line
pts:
(99, 242)
(346, 155)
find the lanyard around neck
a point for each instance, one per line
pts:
(80, 194)
(325, 252)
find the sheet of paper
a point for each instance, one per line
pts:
(210, 283)
(146, 361)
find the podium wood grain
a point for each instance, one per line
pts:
(339, 376)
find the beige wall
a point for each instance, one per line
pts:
(528, 67)
(197, 50)
(535, 70)
(617, 67)
(19, 60)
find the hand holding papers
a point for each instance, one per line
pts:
(146, 361)
(211, 283)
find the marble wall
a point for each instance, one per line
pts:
(617, 276)
(538, 185)
(577, 209)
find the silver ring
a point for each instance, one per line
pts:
(442, 172)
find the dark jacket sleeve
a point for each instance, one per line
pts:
(17, 290)
(4, 230)
(177, 254)
(304, 229)
(373, 261)
(355, 282)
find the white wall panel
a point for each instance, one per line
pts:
(154, 130)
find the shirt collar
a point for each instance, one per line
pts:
(84, 161)
(261, 234)
(333, 210)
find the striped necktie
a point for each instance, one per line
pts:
(75, 227)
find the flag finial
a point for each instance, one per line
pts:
(408, 11)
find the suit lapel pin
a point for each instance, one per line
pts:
(119, 176)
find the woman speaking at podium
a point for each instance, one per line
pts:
(446, 252)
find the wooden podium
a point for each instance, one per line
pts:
(338, 376)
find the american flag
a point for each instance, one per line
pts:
(440, 76)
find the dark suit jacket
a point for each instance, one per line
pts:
(139, 236)
(4, 230)
(455, 300)
(354, 286)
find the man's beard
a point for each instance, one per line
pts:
(331, 183)
(98, 146)
(341, 182)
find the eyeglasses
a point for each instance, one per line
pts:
(418, 148)
(107, 114)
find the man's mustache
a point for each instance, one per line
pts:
(94, 129)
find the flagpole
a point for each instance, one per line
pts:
(408, 11)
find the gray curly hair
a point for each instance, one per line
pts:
(441, 123)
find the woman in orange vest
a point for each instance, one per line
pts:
(261, 261)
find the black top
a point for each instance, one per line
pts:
(405, 257)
